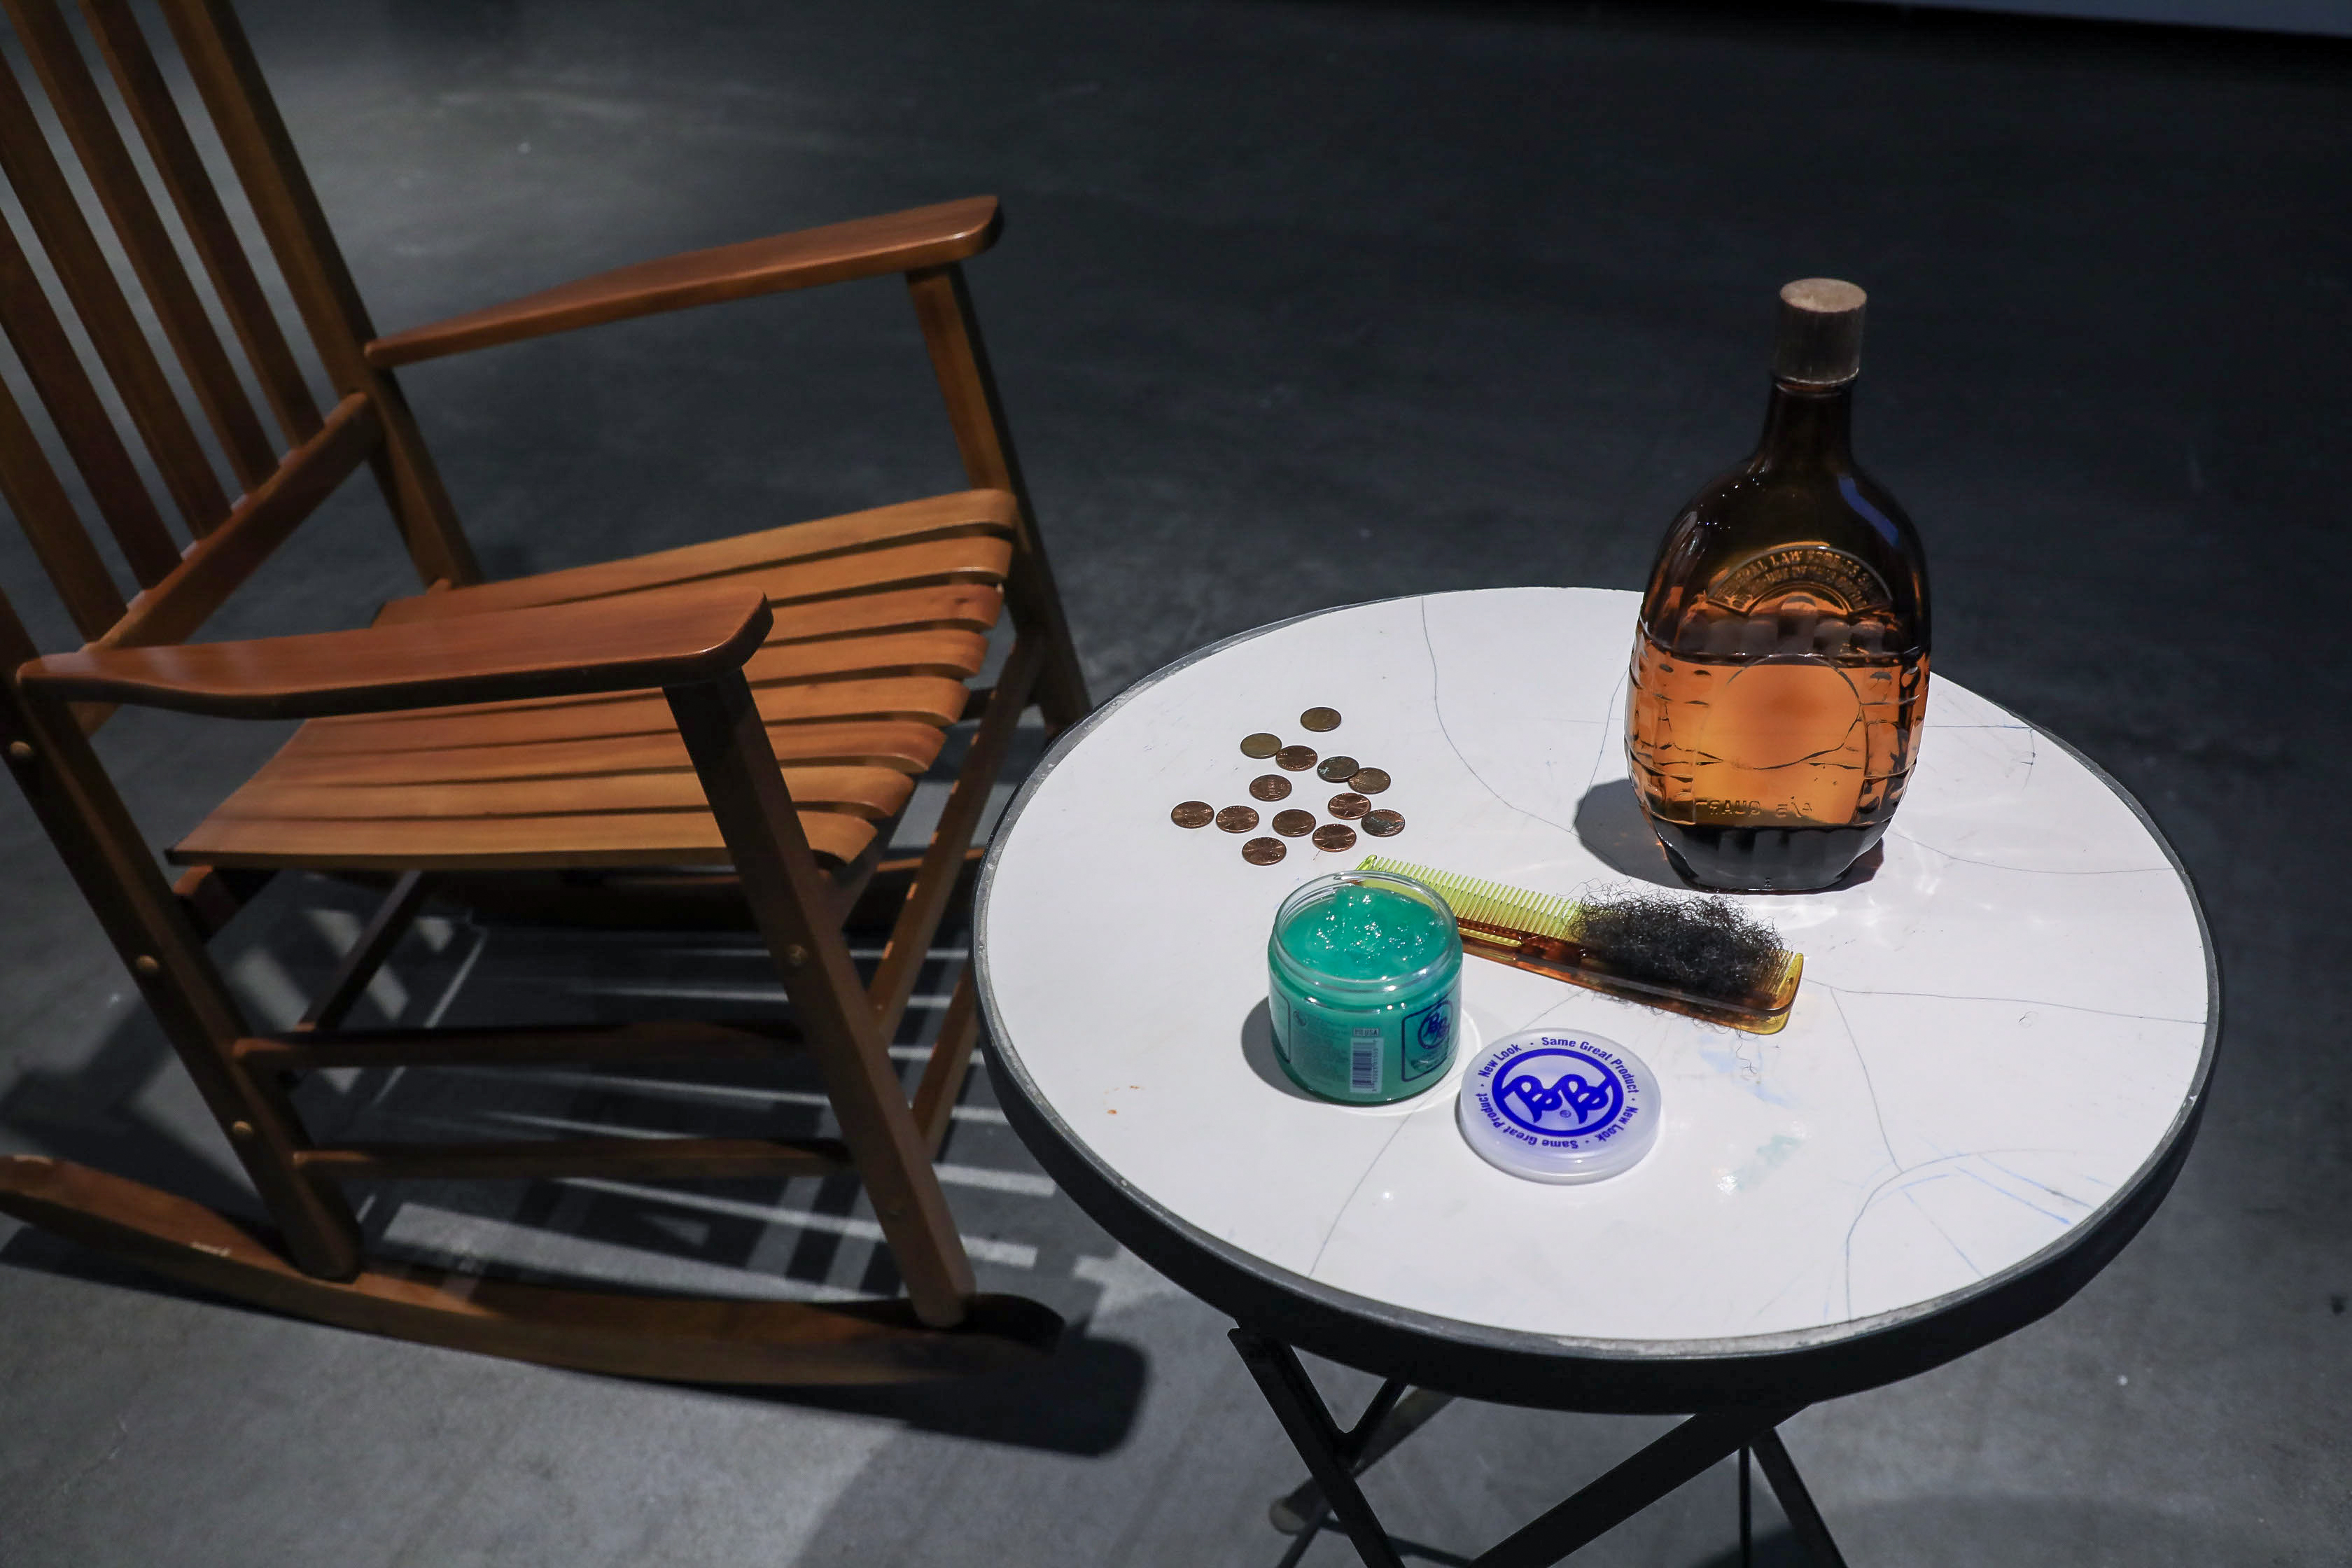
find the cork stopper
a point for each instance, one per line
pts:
(1820, 332)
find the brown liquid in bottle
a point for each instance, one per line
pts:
(1780, 672)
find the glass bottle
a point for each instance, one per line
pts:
(1779, 671)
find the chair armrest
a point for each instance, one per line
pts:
(559, 650)
(895, 242)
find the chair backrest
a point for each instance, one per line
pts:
(231, 503)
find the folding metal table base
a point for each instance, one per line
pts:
(1336, 1458)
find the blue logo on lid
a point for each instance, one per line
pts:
(1559, 1093)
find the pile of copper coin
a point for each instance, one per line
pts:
(1352, 804)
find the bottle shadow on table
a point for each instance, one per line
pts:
(1610, 823)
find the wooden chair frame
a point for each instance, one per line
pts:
(690, 643)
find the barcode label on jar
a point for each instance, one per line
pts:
(1364, 1062)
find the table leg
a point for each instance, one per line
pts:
(1317, 1439)
(1805, 1520)
(1703, 1440)
(1299, 1508)
(1335, 1457)
(1747, 1517)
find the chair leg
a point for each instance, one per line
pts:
(377, 939)
(959, 359)
(213, 896)
(935, 881)
(102, 847)
(721, 725)
(943, 1075)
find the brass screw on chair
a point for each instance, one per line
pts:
(242, 1132)
(148, 965)
(19, 751)
(796, 957)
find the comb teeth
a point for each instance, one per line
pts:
(1488, 903)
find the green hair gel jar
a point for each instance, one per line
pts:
(1364, 983)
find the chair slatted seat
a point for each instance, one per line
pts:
(760, 705)
(927, 575)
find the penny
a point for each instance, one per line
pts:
(1320, 719)
(1264, 851)
(1346, 808)
(1334, 770)
(1334, 837)
(1295, 759)
(1237, 819)
(1270, 786)
(1193, 814)
(1384, 823)
(1294, 824)
(1261, 744)
(1367, 781)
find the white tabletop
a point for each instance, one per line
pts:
(1997, 1029)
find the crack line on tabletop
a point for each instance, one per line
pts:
(1601, 753)
(1987, 1156)
(1437, 706)
(1911, 1196)
(1869, 1084)
(2028, 1202)
(2030, 870)
(2013, 1001)
(1901, 1170)
(1795, 1278)
(1349, 1202)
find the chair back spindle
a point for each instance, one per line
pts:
(180, 168)
(106, 160)
(162, 569)
(99, 300)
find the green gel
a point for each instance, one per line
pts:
(1364, 981)
(1366, 933)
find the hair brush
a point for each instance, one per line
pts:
(1700, 957)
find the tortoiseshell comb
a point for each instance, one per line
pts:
(1556, 937)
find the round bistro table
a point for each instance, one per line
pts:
(1991, 1075)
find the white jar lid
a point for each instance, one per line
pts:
(1554, 1105)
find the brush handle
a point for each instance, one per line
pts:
(1527, 944)
(1560, 959)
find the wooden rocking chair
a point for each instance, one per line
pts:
(762, 703)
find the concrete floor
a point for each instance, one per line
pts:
(1299, 304)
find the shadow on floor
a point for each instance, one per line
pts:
(93, 1114)
(1083, 1401)
(1774, 1549)
(124, 1110)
